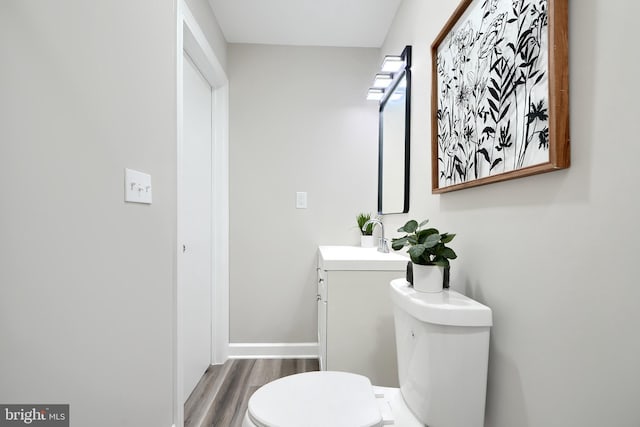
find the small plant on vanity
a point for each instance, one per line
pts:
(362, 219)
(429, 254)
(366, 238)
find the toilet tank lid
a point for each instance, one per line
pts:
(443, 308)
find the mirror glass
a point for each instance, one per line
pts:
(393, 162)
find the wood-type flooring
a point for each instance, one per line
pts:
(220, 399)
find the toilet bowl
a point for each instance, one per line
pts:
(327, 398)
(442, 342)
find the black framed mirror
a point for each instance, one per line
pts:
(394, 141)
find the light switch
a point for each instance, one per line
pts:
(301, 200)
(137, 187)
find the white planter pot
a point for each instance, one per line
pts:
(367, 241)
(428, 278)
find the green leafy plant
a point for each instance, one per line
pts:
(426, 246)
(362, 219)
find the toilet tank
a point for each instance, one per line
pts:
(442, 341)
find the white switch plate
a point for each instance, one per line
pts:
(301, 200)
(137, 187)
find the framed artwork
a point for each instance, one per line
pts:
(500, 93)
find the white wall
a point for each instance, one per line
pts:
(554, 255)
(88, 88)
(299, 121)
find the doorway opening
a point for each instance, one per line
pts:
(201, 311)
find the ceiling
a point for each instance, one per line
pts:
(350, 23)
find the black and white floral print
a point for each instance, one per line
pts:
(492, 114)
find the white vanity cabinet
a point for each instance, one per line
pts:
(355, 316)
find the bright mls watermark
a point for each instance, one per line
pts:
(34, 415)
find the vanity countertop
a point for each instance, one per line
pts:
(358, 258)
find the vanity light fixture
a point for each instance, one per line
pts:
(392, 64)
(393, 68)
(382, 80)
(375, 94)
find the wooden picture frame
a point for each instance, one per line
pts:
(500, 93)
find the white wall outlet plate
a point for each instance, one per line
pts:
(301, 200)
(137, 187)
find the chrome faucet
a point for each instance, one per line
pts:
(383, 244)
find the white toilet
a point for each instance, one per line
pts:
(442, 340)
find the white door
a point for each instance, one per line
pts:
(196, 222)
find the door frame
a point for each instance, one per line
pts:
(192, 40)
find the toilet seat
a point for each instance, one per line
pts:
(316, 399)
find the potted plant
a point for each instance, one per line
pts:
(366, 238)
(429, 254)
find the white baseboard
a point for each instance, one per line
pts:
(304, 350)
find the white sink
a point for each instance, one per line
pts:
(357, 258)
